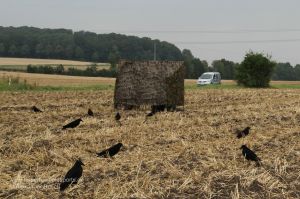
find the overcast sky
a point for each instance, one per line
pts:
(211, 29)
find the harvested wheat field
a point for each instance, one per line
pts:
(186, 154)
(25, 61)
(57, 80)
(20, 64)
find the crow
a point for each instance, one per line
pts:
(117, 116)
(153, 108)
(110, 152)
(158, 108)
(128, 107)
(35, 109)
(90, 112)
(72, 175)
(250, 155)
(171, 107)
(150, 114)
(243, 133)
(73, 124)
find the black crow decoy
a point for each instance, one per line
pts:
(90, 112)
(171, 107)
(150, 114)
(243, 133)
(73, 124)
(35, 109)
(250, 155)
(117, 116)
(110, 152)
(72, 175)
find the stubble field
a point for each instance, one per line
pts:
(20, 64)
(185, 154)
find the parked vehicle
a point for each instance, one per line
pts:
(209, 78)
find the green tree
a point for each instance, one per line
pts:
(39, 50)
(48, 51)
(69, 52)
(255, 70)
(95, 57)
(187, 61)
(199, 68)
(59, 51)
(114, 57)
(218, 66)
(284, 71)
(205, 64)
(225, 67)
(59, 69)
(25, 50)
(2, 49)
(12, 50)
(79, 54)
(91, 70)
(297, 72)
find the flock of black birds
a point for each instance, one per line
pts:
(74, 174)
(247, 153)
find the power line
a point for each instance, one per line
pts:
(237, 31)
(237, 42)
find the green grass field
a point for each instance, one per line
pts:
(19, 85)
(23, 86)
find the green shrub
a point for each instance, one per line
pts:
(255, 70)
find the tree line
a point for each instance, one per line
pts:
(228, 69)
(31, 42)
(90, 71)
(194, 67)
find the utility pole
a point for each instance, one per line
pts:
(154, 55)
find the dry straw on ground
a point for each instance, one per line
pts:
(190, 154)
(20, 64)
(58, 80)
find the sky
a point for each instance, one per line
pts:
(211, 29)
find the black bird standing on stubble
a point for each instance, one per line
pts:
(72, 175)
(118, 117)
(110, 152)
(90, 112)
(150, 114)
(73, 124)
(243, 133)
(35, 109)
(250, 155)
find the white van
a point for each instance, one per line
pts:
(209, 78)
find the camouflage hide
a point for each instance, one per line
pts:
(149, 83)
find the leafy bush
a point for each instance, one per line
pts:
(255, 70)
